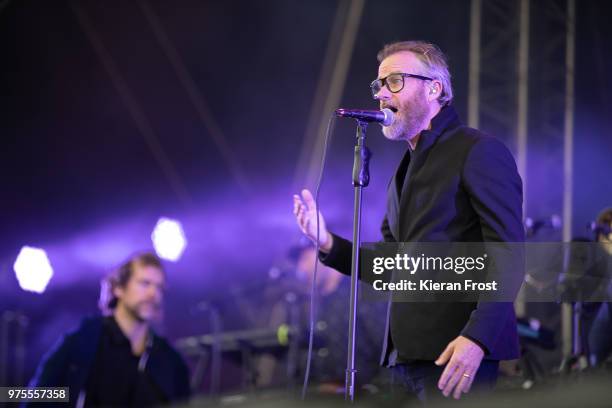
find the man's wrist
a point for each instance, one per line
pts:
(478, 343)
(327, 246)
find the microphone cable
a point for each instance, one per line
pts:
(313, 287)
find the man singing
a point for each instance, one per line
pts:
(117, 360)
(454, 184)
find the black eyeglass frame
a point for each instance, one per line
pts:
(383, 82)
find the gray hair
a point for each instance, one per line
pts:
(432, 58)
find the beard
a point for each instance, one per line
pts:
(138, 314)
(409, 119)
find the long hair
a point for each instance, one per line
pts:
(120, 277)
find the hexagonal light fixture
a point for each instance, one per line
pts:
(169, 239)
(33, 269)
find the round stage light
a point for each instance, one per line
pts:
(169, 239)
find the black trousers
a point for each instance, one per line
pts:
(418, 381)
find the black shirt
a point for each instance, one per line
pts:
(118, 377)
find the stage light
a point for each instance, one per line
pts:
(169, 239)
(33, 269)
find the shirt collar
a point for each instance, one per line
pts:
(446, 119)
(116, 334)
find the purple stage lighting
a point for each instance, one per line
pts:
(33, 269)
(169, 239)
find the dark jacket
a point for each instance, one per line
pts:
(459, 186)
(69, 363)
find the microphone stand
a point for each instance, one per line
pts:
(361, 179)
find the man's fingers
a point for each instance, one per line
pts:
(470, 381)
(453, 380)
(446, 375)
(462, 386)
(297, 204)
(304, 210)
(446, 355)
(459, 388)
(296, 207)
(308, 199)
(450, 367)
(463, 360)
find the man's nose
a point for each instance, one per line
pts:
(383, 94)
(156, 294)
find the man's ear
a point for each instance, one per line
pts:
(118, 292)
(435, 89)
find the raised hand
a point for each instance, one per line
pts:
(305, 215)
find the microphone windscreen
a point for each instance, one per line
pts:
(388, 117)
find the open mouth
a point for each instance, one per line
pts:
(391, 108)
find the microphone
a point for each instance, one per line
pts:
(384, 117)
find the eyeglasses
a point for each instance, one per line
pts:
(394, 82)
